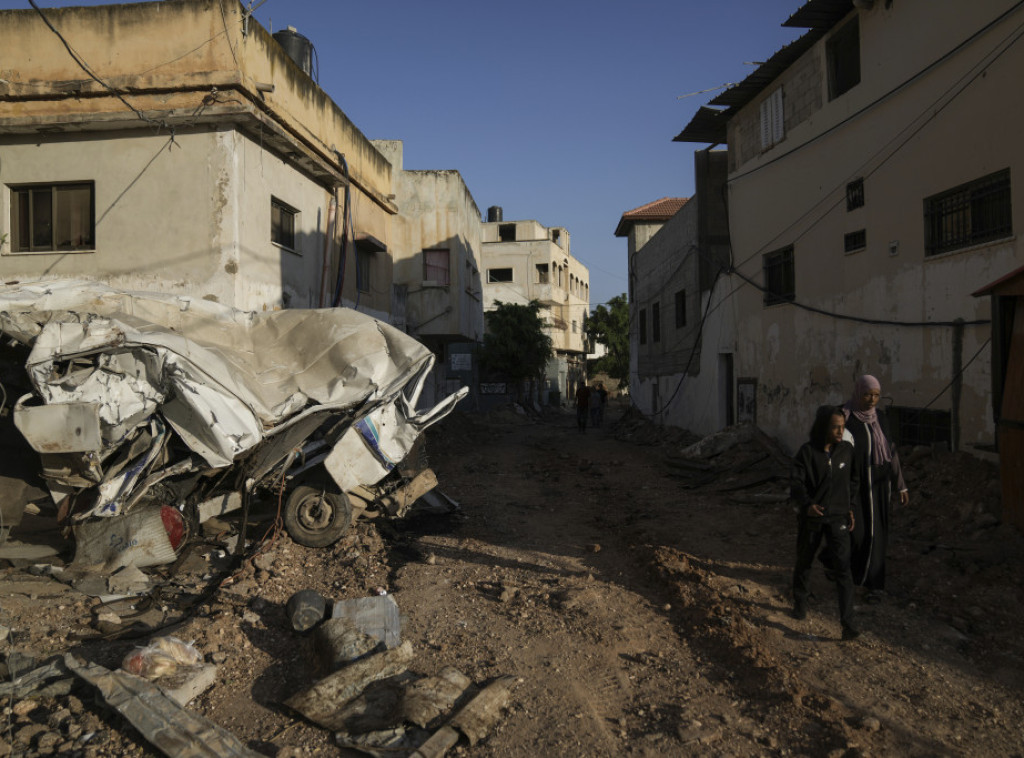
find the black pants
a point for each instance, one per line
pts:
(836, 559)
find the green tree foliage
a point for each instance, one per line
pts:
(515, 345)
(610, 327)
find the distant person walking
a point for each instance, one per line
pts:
(582, 405)
(880, 472)
(825, 488)
(596, 402)
(603, 394)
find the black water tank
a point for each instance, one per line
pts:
(494, 213)
(299, 48)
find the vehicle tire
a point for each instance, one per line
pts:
(315, 517)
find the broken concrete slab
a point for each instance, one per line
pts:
(322, 702)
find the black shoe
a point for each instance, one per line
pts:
(799, 611)
(850, 633)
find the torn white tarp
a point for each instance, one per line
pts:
(224, 380)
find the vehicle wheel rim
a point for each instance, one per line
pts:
(315, 512)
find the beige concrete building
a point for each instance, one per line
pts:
(436, 245)
(871, 165)
(184, 151)
(678, 250)
(524, 261)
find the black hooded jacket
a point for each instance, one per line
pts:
(828, 479)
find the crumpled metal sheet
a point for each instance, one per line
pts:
(224, 380)
(167, 726)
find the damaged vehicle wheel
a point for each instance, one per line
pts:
(315, 517)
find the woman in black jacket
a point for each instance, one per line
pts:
(825, 488)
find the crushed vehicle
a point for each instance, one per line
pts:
(151, 413)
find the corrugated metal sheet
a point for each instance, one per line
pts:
(820, 14)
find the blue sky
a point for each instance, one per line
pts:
(561, 111)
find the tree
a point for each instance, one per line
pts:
(515, 344)
(610, 327)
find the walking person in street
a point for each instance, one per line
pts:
(602, 394)
(582, 405)
(880, 475)
(825, 487)
(595, 405)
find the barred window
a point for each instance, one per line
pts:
(779, 276)
(970, 214)
(857, 240)
(855, 194)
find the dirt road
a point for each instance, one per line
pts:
(639, 599)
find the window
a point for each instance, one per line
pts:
(854, 194)
(507, 232)
(52, 217)
(857, 240)
(643, 326)
(772, 122)
(574, 327)
(435, 266)
(282, 223)
(970, 214)
(499, 275)
(364, 269)
(656, 322)
(779, 277)
(680, 309)
(542, 273)
(919, 426)
(843, 54)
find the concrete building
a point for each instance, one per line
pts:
(678, 248)
(183, 150)
(436, 245)
(525, 261)
(869, 191)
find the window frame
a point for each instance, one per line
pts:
(655, 322)
(680, 304)
(842, 59)
(430, 270)
(642, 325)
(491, 279)
(855, 194)
(16, 245)
(855, 241)
(364, 270)
(960, 206)
(772, 119)
(781, 260)
(275, 227)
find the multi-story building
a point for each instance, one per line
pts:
(870, 193)
(525, 261)
(436, 243)
(180, 148)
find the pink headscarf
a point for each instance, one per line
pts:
(880, 452)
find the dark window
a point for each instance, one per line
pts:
(779, 277)
(643, 326)
(364, 269)
(656, 322)
(507, 232)
(857, 240)
(282, 223)
(919, 426)
(51, 217)
(970, 214)
(499, 275)
(843, 54)
(542, 273)
(854, 194)
(680, 308)
(435, 266)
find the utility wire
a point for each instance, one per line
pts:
(85, 67)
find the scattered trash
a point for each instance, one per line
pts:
(376, 616)
(163, 722)
(427, 698)
(473, 721)
(162, 657)
(306, 609)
